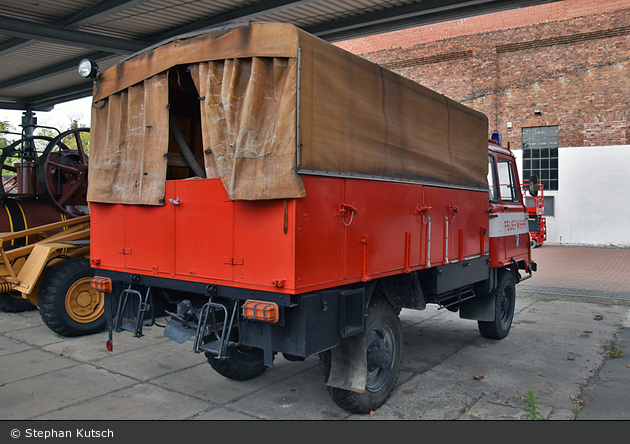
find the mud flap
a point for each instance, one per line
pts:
(178, 331)
(348, 365)
(478, 309)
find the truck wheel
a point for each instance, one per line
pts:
(10, 303)
(504, 297)
(242, 363)
(382, 341)
(68, 305)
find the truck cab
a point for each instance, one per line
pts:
(508, 218)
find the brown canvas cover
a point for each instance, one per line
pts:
(277, 102)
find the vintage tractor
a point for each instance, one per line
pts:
(44, 232)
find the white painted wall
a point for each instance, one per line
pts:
(592, 204)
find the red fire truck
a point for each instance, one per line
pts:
(303, 197)
(535, 201)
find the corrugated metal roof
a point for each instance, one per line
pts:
(42, 42)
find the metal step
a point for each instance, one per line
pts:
(215, 347)
(144, 305)
(208, 316)
(455, 297)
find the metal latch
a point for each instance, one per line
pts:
(343, 209)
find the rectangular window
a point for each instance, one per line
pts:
(492, 187)
(507, 181)
(540, 155)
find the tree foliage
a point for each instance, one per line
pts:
(4, 127)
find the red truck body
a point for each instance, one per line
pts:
(344, 231)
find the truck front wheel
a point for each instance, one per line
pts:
(504, 300)
(382, 342)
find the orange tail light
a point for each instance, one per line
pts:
(102, 284)
(261, 311)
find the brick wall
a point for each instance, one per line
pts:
(570, 59)
(606, 133)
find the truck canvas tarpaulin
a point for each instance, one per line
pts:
(275, 102)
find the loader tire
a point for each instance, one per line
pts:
(10, 303)
(68, 306)
(504, 300)
(382, 340)
(242, 363)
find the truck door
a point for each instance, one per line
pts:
(508, 217)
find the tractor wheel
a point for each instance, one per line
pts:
(382, 341)
(63, 170)
(505, 298)
(11, 303)
(242, 363)
(68, 305)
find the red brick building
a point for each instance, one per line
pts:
(548, 77)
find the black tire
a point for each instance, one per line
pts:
(242, 363)
(14, 304)
(505, 298)
(382, 342)
(68, 306)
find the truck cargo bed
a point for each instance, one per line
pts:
(343, 231)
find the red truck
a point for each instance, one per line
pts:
(535, 201)
(272, 193)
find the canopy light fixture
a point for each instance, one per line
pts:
(88, 69)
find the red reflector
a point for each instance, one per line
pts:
(109, 345)
(261, 311)
(103, 284)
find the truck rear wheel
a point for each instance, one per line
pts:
(68, 306)
(242, 363)
(504, 300)
(10, 303)
(382, 341)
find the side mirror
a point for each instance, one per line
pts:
(533, 186)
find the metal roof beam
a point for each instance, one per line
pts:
(98, 11)
(414, 14)
(51, 71)
(390, 14)
(52, 98)
(88, 15)
(233, 15)
(58, 35)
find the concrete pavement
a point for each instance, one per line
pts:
(564, 327)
